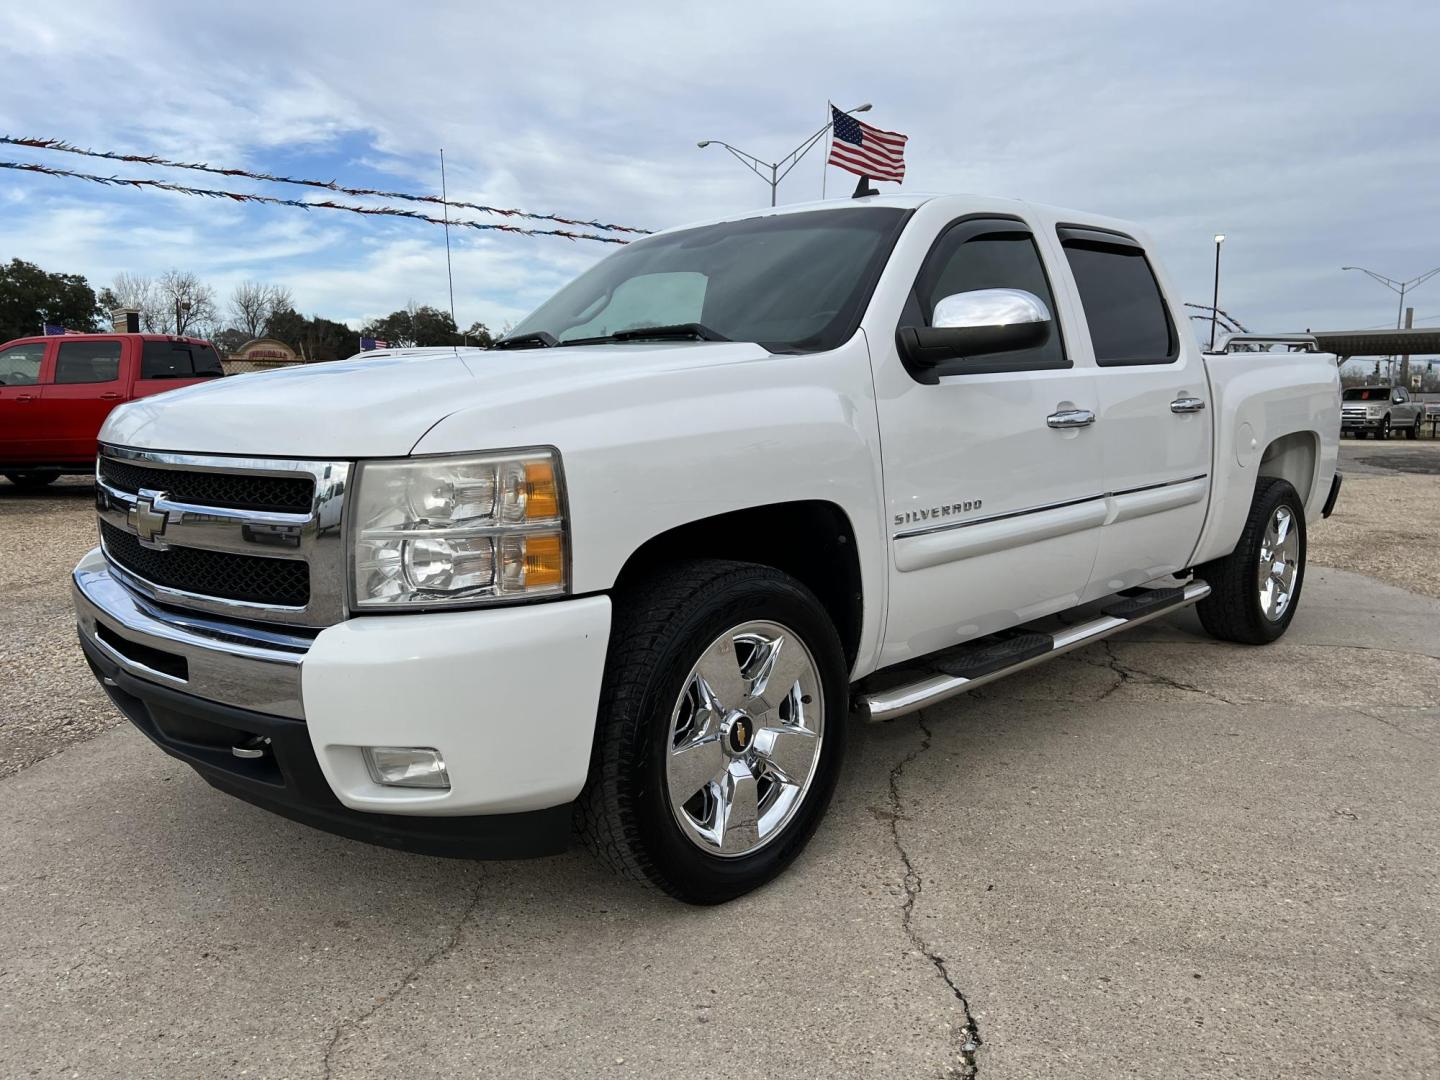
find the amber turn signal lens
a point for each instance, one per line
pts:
(542, 497)
(544, 560)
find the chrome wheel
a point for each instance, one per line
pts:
(745, 738)
(1279, 563)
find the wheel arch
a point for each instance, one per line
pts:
(813, 541)
(1294, 457)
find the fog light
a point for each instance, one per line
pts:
(406, 766)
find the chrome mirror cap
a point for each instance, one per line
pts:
(989, 307)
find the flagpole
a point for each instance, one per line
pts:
(825, 163)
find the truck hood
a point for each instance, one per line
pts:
(380, 406)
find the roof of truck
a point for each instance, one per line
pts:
(913, 201)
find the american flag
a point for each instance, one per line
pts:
(369, 343)
(865, 150)
(51, 330)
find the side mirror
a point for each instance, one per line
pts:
(975, 323)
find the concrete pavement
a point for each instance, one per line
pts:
(1164, 857)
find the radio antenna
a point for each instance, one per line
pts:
(445, 204)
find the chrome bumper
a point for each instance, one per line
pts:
(218, 660)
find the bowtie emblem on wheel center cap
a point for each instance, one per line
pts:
(741, 734)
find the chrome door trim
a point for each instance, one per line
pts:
(949, 525)
(1187, 405)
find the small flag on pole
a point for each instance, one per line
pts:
(51, 330)
(865, 150)
(367, 344)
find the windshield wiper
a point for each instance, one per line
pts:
(539, 339)
(692, 331)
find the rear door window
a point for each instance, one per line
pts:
(1129, 322)
(88, 362)
(20, 364)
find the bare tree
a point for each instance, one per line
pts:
(139, 293)
(253, 303)
(187, 302)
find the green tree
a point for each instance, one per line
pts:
(479, 334)
(31, 297)
(315, 338)
(415, 325)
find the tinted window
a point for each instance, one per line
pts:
(963, 261)
(178, 360)
(20, 364)
(206, 360)
(1367, 393)
(789, 282)
(1129, 323)
(88, 362)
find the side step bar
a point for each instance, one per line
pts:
(940, 686)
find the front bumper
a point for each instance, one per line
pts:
(507, 695)
(1360, 423)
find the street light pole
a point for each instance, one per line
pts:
(758, 167)
(1215, 303)
(1401, 287)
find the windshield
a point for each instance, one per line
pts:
(1367, 393)
(792, 282)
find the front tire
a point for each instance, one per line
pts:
(721, 730)
(32, 481)
(1384, 432)
(1255, 590)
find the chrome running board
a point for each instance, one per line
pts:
(938, 686)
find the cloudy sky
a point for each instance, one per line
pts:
(1306, 132)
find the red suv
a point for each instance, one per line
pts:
(55, 392)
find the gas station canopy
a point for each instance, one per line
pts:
(1419, 342)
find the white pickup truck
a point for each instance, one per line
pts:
(630, 573)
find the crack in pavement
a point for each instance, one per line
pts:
(969, 1031)
(1127, 672)
(433, 957)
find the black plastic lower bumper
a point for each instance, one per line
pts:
(287, 779)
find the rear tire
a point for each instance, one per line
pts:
(646, 809)
(32, 481)
(1413, 431)
(1255, 590)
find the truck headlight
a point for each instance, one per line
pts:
(432, 531)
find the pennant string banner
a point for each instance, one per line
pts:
(329, 185)
(236, 196)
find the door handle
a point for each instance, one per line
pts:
(24, 398)
(1187, 405)
(111, 396)
(1070, 418)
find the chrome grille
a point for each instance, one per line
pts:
(236, 491)
(257, 539)
(249, 578)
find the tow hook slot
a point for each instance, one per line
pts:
(256, 746)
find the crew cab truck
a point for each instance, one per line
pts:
(1379, 410)
(632, 571)
(55, 393)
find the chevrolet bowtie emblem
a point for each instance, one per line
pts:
(147, 522)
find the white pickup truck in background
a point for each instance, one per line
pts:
(631, 572)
